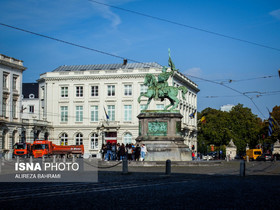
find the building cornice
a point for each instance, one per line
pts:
(96, 77)
(182, 78)
(12, 65)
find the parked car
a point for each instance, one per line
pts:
(265, 157)
(211, 156)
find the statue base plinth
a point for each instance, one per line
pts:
(160, 131)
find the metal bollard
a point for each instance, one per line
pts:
(54, 158)
(207, 157)
(227, 158)
(124, 166)
(64, 158)
(247, 158)
(242, 168)
(168, 167)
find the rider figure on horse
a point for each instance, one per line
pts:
(163, 78)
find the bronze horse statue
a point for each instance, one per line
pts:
(162, 90)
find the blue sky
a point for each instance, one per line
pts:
(128, 35)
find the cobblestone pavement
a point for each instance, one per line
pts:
(189, 187)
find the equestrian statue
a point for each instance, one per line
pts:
(159, 88)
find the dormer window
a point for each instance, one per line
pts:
(31, 96)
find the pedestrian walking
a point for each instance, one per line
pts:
(193, 156)
(113, 152)
(122, 152)
(143, 152)
(108, 154)
(103, 151)
(137, 152)
(129, 152)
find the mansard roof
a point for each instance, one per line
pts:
(108, 66)
(30, 88)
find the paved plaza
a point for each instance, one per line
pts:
(212, 186)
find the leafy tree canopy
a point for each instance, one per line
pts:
(240, 125)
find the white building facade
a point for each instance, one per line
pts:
(11, 70)
(33, 127)
(94, 104)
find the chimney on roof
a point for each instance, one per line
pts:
(124, 62)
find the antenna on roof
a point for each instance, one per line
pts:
(124, 62)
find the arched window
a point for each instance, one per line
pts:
(94, 141)
(127, 139)
(79, 139)
(64, 139)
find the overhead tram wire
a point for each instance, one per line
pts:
(186, 26)
(116, 56)
(241, 80)
(237, 91)
(257, 94)
(69, 43)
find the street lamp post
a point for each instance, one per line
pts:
(102, 127)
(102, 133)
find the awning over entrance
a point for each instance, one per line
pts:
(111, 141)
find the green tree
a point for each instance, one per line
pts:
(240, 124)
(245, 126)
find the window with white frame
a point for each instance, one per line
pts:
(127, 90)
(94, 141)
(15, 82)
(64, 92)
(94, 90)
(64, 113)
(31, 109)
(160, 106)
(142, 107)
(111, 90)
(127, 139)
(94, 113)
(14, 109)
(79, 139)
(79, 113)
(4, 107)
(64, 139)
(111, 112)
(127, 112)
(143, 88)
(79, 91)
(5, 80)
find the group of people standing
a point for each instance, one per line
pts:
(113, 151)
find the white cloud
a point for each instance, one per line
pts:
(276, 14)
(195, 71)
(106, 11)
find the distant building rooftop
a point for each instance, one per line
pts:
(30, 90)
(107, 66)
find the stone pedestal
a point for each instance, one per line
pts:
(160, 131)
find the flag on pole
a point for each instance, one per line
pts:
(107, 116)
(192, 115)
(203, 120)
(272, 124)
